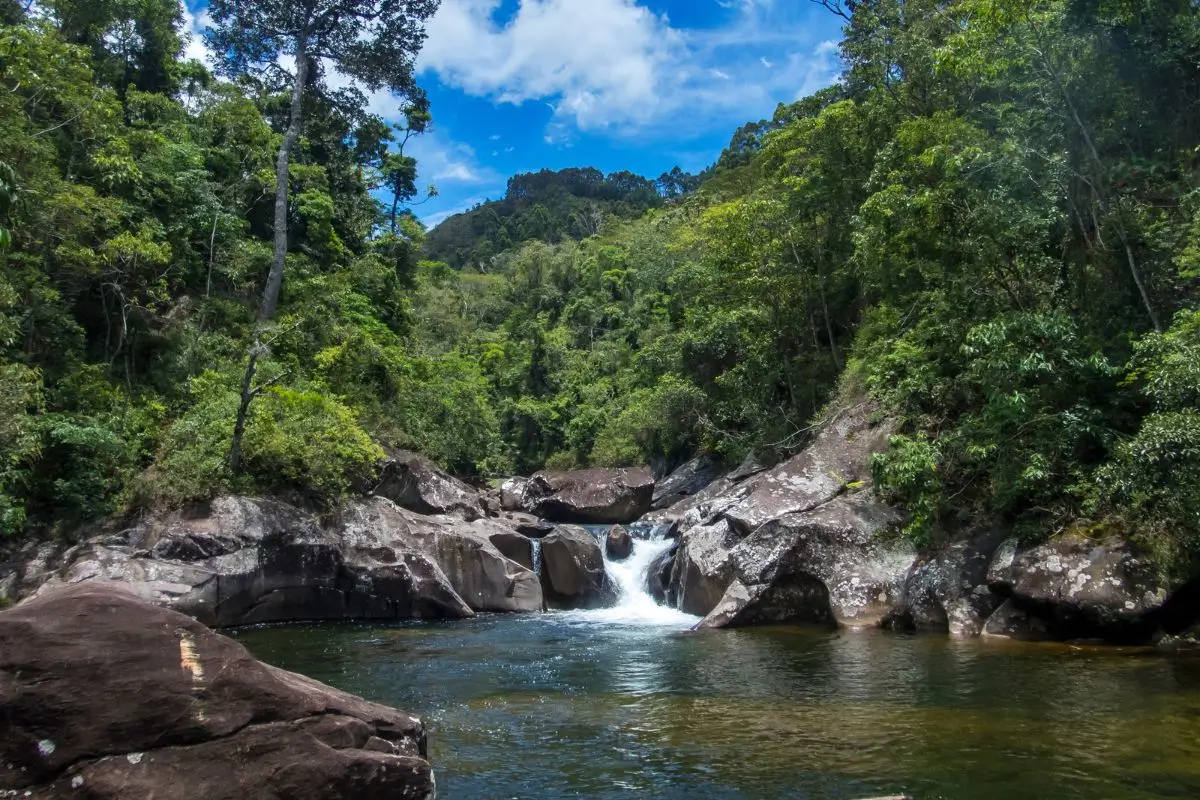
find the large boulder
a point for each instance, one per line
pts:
(573, 574)
(724, 515)
(1076, 588)
(590, 496)
(947, 590)
(752, 464)
(692, 510)
(465, 552)
(829, 565)
(838, 460)
(658, 576)
(415, 483)
(527, 524)
(703, 567)
(512, 494)
(515, 547)
(107, 697)
(692, 477)
(618, 544)
(237, 561)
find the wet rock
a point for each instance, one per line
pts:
(573, 574)
(825, 566)
(618, 545)
(658, 576)
(686, 481)
(512, 492)
(238, 561)
(1078, 589)
(107, 697)
(947, 591)
(703, 568)
(415, 483)
(591, 496)
(480, 572)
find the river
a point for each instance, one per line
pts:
(626, 702)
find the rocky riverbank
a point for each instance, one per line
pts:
(806, 541)
(422, 545)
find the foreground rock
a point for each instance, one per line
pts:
(827, 566)
(415, 483)
(618, 544)
(573, 574)
(591, 496)
(238, 561)
(106, 697)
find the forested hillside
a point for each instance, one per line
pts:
(550, 207)
(991, 224)
(138, 196)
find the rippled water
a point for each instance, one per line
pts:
(626, 703)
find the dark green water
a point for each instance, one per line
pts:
(578, 705)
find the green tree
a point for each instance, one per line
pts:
(372, 43)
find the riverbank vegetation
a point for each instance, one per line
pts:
(991, 223)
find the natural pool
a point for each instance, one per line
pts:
(626, 703)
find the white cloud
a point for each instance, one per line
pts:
(440, 159)
(436, 218)
(194, 24)
(601, 61)
(614, 65)
(827, 48)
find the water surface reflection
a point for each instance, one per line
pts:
(557, 706)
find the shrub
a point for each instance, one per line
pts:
(295, 439)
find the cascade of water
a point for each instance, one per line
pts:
(634, 605)
(537, 556)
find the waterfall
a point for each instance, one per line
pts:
(634, 605)
(537, 557)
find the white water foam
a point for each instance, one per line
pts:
(635, 607)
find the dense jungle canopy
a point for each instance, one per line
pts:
(990, 223)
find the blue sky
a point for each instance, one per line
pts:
(643, 85)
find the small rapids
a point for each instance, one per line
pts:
(635, 607)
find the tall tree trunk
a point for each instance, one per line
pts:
(270, 297)
(833, 348)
